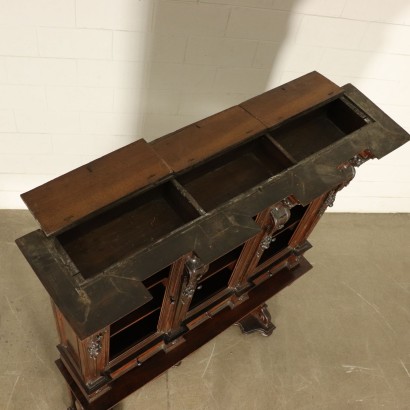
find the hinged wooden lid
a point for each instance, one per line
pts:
(297, 96)
(205, 138)
(62, 202)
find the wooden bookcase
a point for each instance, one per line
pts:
(151, 251)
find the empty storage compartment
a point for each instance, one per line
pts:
(118, 232)
(234, 172)
(296, 214)
(211, 286)
(278, 244)
(217, 277)
(318, 129)
(137, 325)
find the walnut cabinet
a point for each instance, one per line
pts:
(151, 251)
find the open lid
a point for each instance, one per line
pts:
(283, 103)
(197, 142)
(68, 199)
(64, 201)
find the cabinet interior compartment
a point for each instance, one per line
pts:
(279, 242)
(228, 175)
(129, 226)
(318, 129)
(142, 322)
(216, 278)
(296, 214)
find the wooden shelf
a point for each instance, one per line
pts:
(279, 243)
(226, 261)
(134, 333)
(157, 293)
(210, 287)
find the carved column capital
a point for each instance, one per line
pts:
(280, 214)
(194, 269)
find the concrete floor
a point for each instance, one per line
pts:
(342, 339)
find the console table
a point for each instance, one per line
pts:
(152, 250)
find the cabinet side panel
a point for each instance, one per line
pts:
(94, 353)
(68, 338)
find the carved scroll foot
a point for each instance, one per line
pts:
(259, 320)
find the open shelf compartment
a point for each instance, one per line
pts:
(142, 322)
(132, 225)
(216, 278)
(279, 243)
(320, 128)
(225, 177)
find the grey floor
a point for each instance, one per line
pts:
(342, 339)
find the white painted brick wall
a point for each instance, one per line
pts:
(131, 15)
(40, 71)
(18, 41)
(74, 43)
(261, 24)
(191, 19)
(54, 13)
(80, 78)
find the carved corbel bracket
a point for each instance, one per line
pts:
(194, 270)
(356, 161)
(348, 166)
(280, 214)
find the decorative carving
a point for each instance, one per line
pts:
(280, 214)
(288, 202)
(347, 167)
(358, 159)
(259, 320)
(95, 346)
(328, 202)
(330, 199)
(265, 243)
(193, 273)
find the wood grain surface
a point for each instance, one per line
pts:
(65, 200)
(284, 102)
